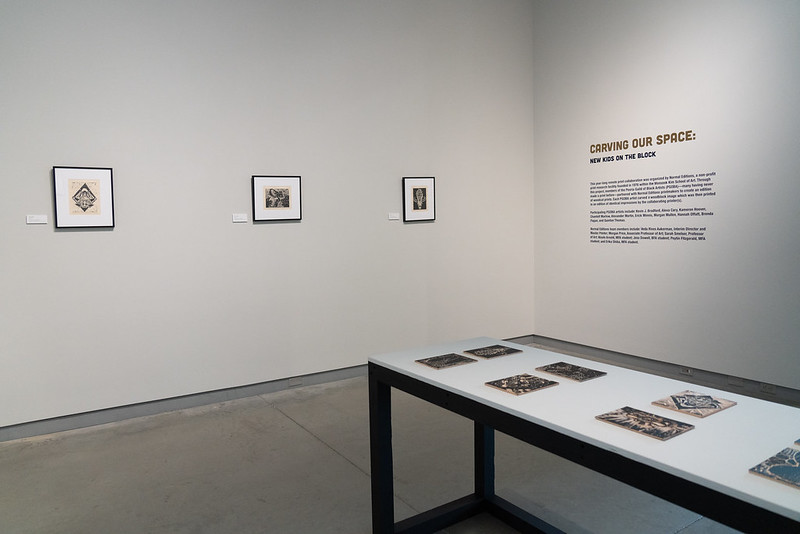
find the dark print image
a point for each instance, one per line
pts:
(420, 198)
(277, 197)
(695, 404)
(84, 198)
(645, 423)
(570, 371)
(783, 467)
(446, 360)
(521, 384)
(492, 351)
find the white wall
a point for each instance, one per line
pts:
(185, 100)
(730, 71)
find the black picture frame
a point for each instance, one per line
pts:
(419, 199)
(276, 198)
(84, 197)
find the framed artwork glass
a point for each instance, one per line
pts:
(84, 197)
(276, 198)
(419, 199)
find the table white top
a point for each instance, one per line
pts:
(717, 453)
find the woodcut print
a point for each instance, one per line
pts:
(570, 371)
(492, 351)
(445, 360)
(85, 196)
(783, 467)
(277, 197)
(645, 423)
(696, 404)
(420, 198)
(521, 384)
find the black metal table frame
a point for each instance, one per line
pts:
(711, 503)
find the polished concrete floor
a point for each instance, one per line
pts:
(296, 461)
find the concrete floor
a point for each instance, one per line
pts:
(295, 462)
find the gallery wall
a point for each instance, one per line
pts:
(616, 267)
(186, 100)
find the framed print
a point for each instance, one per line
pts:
(84, 197)
(419, 199)
(276, 198)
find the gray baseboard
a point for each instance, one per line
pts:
(121, 413)
(734, 384)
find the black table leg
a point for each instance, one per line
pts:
(382, 475)
(484, 461)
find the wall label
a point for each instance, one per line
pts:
(651, 209)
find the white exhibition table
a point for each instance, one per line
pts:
(716, 454)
